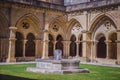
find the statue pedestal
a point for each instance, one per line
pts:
(63, 66)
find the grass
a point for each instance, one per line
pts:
(18, 72)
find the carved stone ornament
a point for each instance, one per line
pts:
(55, 28)
(76, 29)
(26, 25)
(107, 24)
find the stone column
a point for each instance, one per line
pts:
(84, 44)
(107, 46)
(84, 48)
(77, 42)
(11, 53)
(37, 43)
(24, 47)
(45, 45)
(118, 46)
(91, 53)
(66, 48)
(94, 50)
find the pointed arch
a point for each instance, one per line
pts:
(59, 37)
(50, 45)
(30, 19)
(57, 26)
(30, 46)
(19, 44)
(101, 47)
(73, 46)
(4, 37)
(29, 16)
(59, 44)
(73, 38)
(100, 18)
(73, 22)
(99, 35)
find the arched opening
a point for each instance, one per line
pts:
(113, 46)
(59, 44)
(30, 46)
(101, 48)
(73, 46)
(80, 47)
(4, 38)
(19, 45)
(51, 46)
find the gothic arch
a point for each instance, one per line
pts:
(50, 45)
(30, 19)
(96, 22)
(30, 46)
(99, 35)
(80, 37)
(71, 24)
(4, 37)
(57, 27)
(59, 44)
(19, 44)
(30, 16)
(73, 46)
(101, 46)
(99, 23)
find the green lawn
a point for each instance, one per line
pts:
(18, 72)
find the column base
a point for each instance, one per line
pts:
(77, 56)
(11, 60)
(45, 57)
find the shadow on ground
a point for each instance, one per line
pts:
(9, 77)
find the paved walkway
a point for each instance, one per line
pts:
(99, 64)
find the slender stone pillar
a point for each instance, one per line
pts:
(66, 48)
(37, 43)
(77, 50)
(118, 46)
(91, 53)
(45, 45)
(24, 47)
(11, 53)
(107, 46)
(84, 49)
(94, 50)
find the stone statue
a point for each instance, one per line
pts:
(58, 54)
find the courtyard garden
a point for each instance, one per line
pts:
(18, 72)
